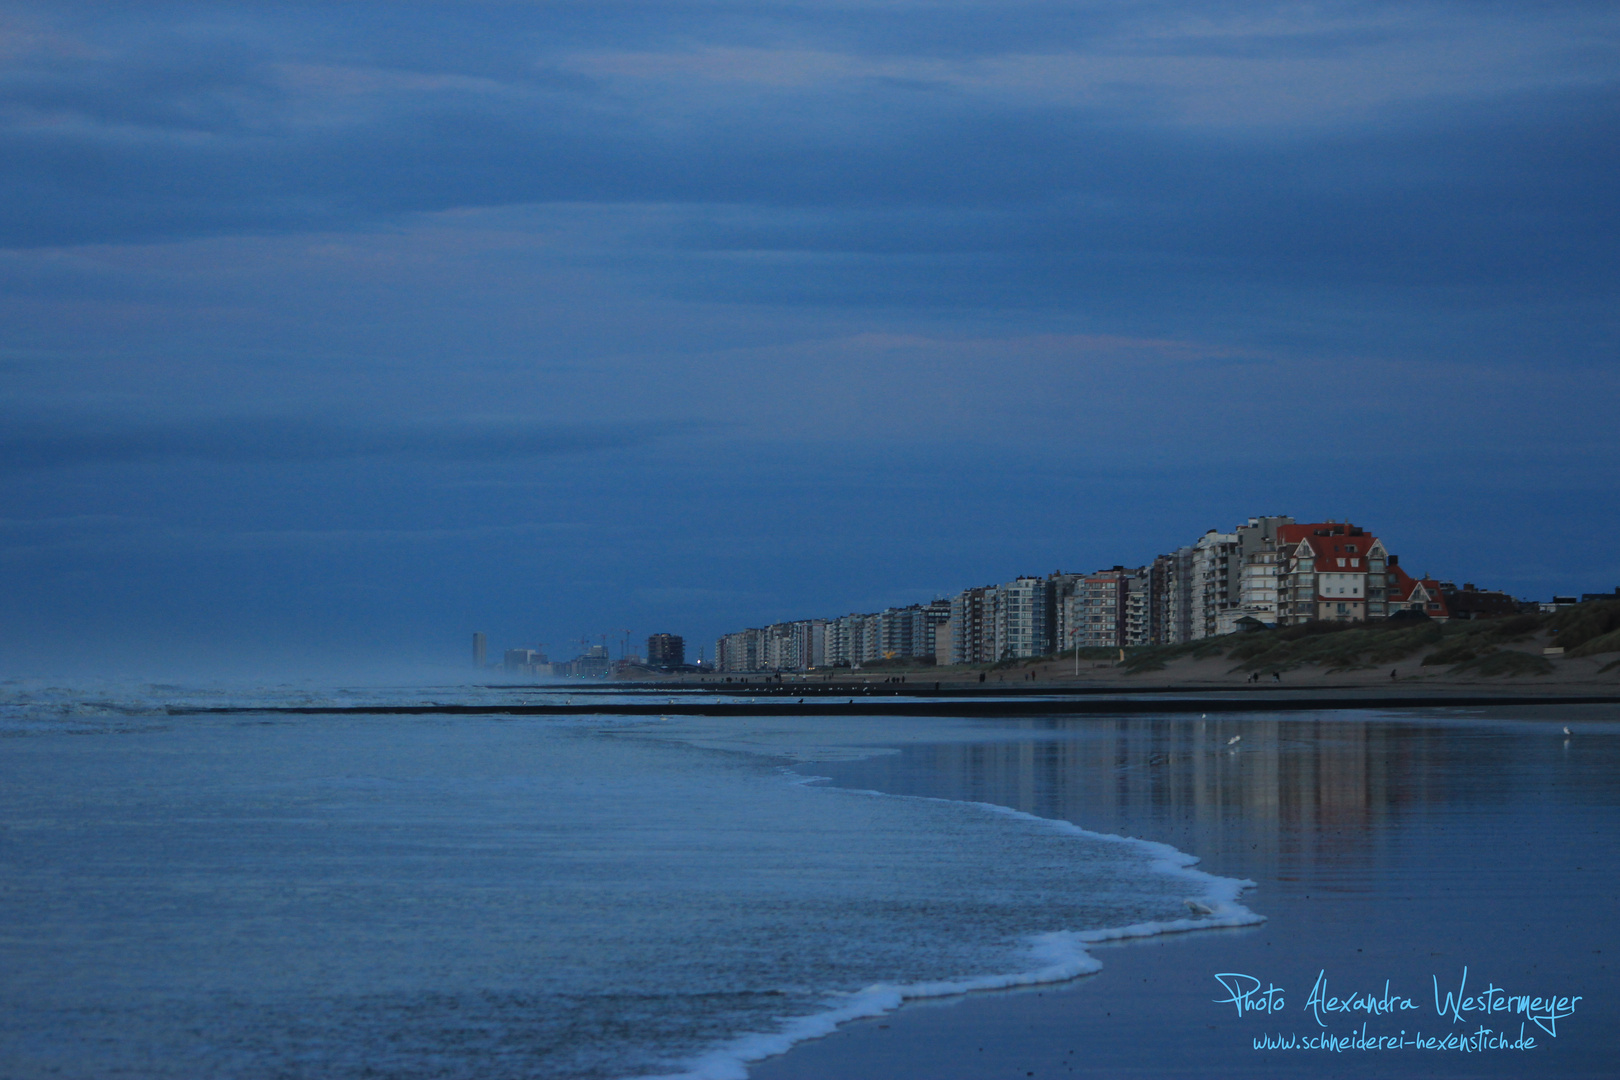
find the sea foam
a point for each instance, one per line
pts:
(1058, 956)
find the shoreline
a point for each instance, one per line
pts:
(896, 701)
(1383, 848)
(1066, 957)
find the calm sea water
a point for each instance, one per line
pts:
(265, 895)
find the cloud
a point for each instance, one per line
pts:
(1173, 124)
(27, 445)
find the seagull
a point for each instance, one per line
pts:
(1199, 909)
(1567, 731)
(1234, 740)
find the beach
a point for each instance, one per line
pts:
(1390, 852)
(465, 881)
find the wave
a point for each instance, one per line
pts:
(1059, 956)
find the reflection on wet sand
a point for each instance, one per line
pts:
(1386, 849)
(1283, 795)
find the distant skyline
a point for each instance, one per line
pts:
(338, 333)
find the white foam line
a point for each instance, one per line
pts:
(1064, 951)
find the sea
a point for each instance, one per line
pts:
(257, 894)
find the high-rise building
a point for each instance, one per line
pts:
(1161, 615)
(1259, 572)
(972, 640)
(909, 632)
(1063, 590)
(480, 649)
(1097, 610)
(1182, 597)
(1217, 581)
(1199, 591)
(1139, 607)
(1023, 619)
(666, 651)
(1113, 608)
(739, 651)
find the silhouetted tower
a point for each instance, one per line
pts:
(480, 647)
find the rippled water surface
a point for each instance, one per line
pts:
(263, 895)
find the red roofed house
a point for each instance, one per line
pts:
(1407, 593)
(1330, 570)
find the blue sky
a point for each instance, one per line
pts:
(339, 331)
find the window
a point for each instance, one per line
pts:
(1341, 562)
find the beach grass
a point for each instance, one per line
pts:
(1477, 646)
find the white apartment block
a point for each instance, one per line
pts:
(1023, 619)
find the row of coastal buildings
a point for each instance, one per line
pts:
(665, 652)
(1269, 571)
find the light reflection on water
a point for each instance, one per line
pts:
(1401, 847)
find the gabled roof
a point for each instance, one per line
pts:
(1329, 542)
(1333, 531)
(1427, 590)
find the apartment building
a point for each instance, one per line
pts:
(1259, 568)
(1064, 587)
(1330, 570)
(666, 651)
(972, 616)
(1023, 619)
(1139, 608)
(1098, 610)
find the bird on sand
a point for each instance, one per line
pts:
(1567, 731)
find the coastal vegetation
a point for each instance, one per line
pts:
(1478, 646)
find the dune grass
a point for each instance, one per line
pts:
(1588, 629)
(1477, 646)
(1342, 646)
(1509, 662)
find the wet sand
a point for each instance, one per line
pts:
(1398, 846)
